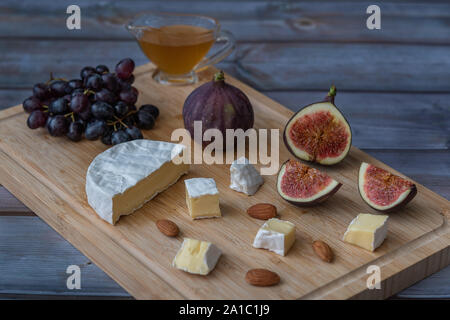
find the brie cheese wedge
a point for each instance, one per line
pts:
(195, 256)
(244, 177)
(275, 235)
(367, 231)
(124, 177)
(202, 198)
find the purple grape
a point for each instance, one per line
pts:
(134, 133)
(122, 85)
(75, 132)
(121, 109)
(106, 96)
(37, 119)
(101, 69)
(130, 79)
(48, 120)
(106, 137)
(124, 69)
(41, 91)
(145, 120)
(31, 104)
(129, 97)
(79, 103)
(94, 82)
(86, 71)
(153, 110)
(77, 91)
(59, 106)
(102, 110)
(119, 136)
(58, 88)
(86, 115)
(75, 84)
(58, 125)
(95, 129)
(110, 82)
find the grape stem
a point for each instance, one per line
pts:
(114, 123)
(71, 115)
(53, 78)
(87, 91)
(119, 120)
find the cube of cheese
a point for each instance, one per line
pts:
(367, 231)
(275, 235)
(202, 198)
(195, 256)
(244, 177)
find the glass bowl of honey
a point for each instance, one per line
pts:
(179, 44)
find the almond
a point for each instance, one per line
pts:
(323, 250)
(262, 277)
(167, 227)
(262, 211)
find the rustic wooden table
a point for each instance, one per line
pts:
(394, 88)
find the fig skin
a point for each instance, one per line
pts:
(308, 203)
(218, 105)
(316, 201)
(328, 98)
(400, 205)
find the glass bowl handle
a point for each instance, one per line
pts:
(229, 43)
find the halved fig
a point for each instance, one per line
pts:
(304, 186)
(383, 190)
(319, 132)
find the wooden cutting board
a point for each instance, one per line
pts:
(48, 175)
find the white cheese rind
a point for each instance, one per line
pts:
(121, 167)
(270, 240)
(198, 187)
(244, 177)
(379, 234)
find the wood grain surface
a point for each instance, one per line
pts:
(137, 234)
(264, 21)
(412, 119)
(250, 63)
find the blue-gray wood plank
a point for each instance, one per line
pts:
(394, 87)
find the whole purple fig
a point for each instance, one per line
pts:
(218, 105)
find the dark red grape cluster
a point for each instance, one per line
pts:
(100, 105)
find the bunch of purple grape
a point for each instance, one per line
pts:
(100, 105)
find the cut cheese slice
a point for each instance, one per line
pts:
(244, 177)
(275, 235)
(367, 231)
(124, 177)
(202, 198)
(195, 256)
